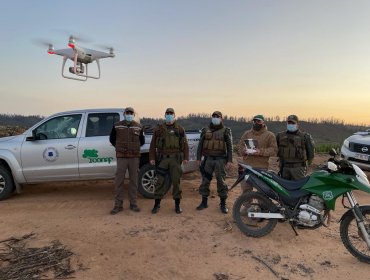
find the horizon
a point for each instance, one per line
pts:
(241, 57)
(228, 117)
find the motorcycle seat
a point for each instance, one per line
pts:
(290, 185)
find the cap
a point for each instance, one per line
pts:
(259, 117)
(217, 113)
(170, 110)
(130, 109)
(292, 118)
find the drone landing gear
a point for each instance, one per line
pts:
(78, 69)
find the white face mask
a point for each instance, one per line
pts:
(129, 118)
(169, 118)
(291, 127)
(216, 121)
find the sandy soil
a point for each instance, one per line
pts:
(194, 245)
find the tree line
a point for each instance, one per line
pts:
(331, 130)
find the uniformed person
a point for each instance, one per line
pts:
(256, 146)
(296, 150)
(168, 150)
(215, 146)
(127, 136)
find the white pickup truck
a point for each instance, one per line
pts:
(72, 146)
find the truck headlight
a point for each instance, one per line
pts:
(346, 144)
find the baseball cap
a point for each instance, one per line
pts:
(292, 118)
(170, 110)
(130, 109)
(259, 118)
(217, 113)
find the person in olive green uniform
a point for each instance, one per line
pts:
(296, 150)
(168, 150)
(127, 136)
(215, 146)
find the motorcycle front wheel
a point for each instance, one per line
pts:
(352, 236)
(253, 202)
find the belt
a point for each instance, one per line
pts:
(295, 164)
(169, 156)
(215, 157)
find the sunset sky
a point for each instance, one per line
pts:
(271, 57)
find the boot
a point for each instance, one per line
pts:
(223, 207)
(117, 208)
(177, 206)
(203, 204)
(134, 208)
(157, 205)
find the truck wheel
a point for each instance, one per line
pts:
(147, 180)
(6, 183)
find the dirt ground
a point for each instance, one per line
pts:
(194, 245)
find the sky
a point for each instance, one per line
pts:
(241, 57)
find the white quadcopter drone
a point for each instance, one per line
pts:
(80, 57)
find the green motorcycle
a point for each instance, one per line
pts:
(306, 203)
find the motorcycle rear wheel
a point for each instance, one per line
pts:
(253, 202)
(352, 237)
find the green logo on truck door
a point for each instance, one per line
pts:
(93, 156)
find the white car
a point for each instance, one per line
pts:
(356, 149)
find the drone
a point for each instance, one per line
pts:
(80, 57)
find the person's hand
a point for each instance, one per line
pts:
(250, 151)
(257, 152)
(152, 162)
(185, 162)
(228, 165)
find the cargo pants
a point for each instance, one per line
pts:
(294, 173)
(132, 164)
(216, 165)
(168, 165)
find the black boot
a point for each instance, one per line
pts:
(203, 204)
(157, 205)
(177, 206)
(117, 208)
(223, 207)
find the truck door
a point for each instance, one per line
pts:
(96, 155)
(51, 154)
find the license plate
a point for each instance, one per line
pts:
(362, 157)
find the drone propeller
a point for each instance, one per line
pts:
(43, 43)
(108, 48)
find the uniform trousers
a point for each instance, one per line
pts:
(132, 165)
(217, 166)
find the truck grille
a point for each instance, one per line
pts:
(359, 148)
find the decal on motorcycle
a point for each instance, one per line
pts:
(93, 157)
(327, 195)
(50, 154)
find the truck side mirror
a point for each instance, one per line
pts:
(33, 137)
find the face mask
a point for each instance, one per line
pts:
(129, 118)
(169, 118)
(257, 126)
(291, 127)
(216, 121)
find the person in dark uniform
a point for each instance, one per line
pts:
(296, 150)
(168, 150)
(215, 146)
(127, 137)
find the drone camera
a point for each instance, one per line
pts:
(79, 69)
